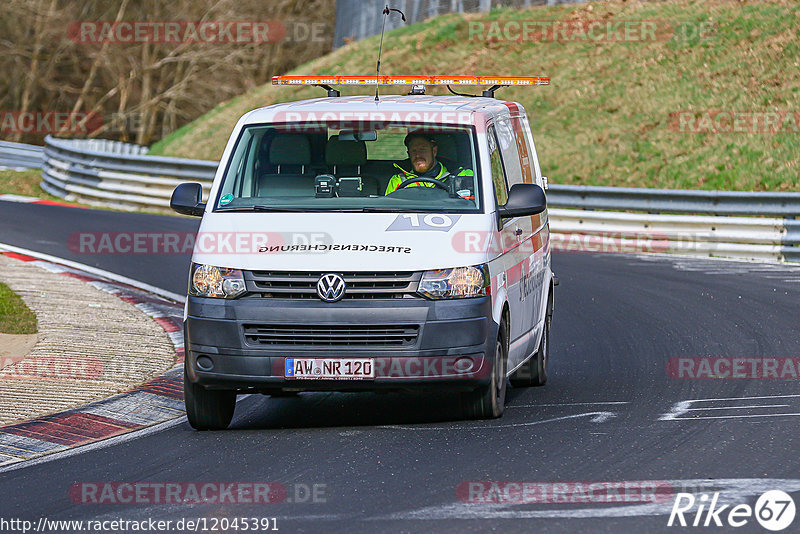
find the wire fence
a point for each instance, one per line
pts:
(358, 19)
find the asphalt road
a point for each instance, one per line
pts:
(401, 463)
(77, 234)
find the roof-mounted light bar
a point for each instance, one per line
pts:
(327, 81)
(410, 80)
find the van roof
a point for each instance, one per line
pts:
(387, 104)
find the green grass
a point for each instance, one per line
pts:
(25, 183)
(605, 120)
(15, 316)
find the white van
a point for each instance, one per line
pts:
(327, 260)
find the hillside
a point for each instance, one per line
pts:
(610, 116)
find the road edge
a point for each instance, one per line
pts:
(155, 404)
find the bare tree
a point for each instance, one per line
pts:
(149, 87)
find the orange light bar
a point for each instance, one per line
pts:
(410, 80)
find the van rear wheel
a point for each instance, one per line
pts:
(208, 409)
(488, 402)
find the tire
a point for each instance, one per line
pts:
(488, 402)
(534, 371)
(207, 409)
(283, 394)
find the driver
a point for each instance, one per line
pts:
(422, 153)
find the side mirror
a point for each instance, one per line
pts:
(187, 199)
(523, 199)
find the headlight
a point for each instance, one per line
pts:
(457, 283)
(215, 282)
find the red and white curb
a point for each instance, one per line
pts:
(34, 200)
(157, 401)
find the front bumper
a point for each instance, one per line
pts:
(447, 331)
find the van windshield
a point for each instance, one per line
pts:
(377, 167)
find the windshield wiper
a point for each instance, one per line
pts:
(365, 209)
(373, 209)
(264, 208)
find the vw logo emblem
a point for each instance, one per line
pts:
(330, 287)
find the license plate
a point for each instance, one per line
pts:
(330, 368)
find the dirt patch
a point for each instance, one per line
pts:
(14, 347)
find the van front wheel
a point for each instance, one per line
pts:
(208, 409)
(488, 402)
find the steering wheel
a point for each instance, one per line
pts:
(435, 182)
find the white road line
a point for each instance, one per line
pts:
(716, 265)
(565, 404)
(99, 272)
(693, 418)
(597, 417)
(738, 407)
(746, 398)
(682, 407)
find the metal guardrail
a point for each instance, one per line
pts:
(759, 238)
(115, 174)
(20, 156)
(105, 146)
(675, 200)
(730, 223)
(715, 226)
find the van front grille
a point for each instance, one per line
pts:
(359, 285)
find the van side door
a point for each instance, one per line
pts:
(531, 267)
(511, 231)
(541, 228)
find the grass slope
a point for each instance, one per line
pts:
(25, 183)
(15, 316)
(605, 120)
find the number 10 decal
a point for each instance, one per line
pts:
(437, 222)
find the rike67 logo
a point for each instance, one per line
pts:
(774, 510)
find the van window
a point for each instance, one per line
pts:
(531, 150)
(522, 137)
(498, 174)
(390, 147)
(278, 166)
(508, 149)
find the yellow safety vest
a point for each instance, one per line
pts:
(404, 175)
